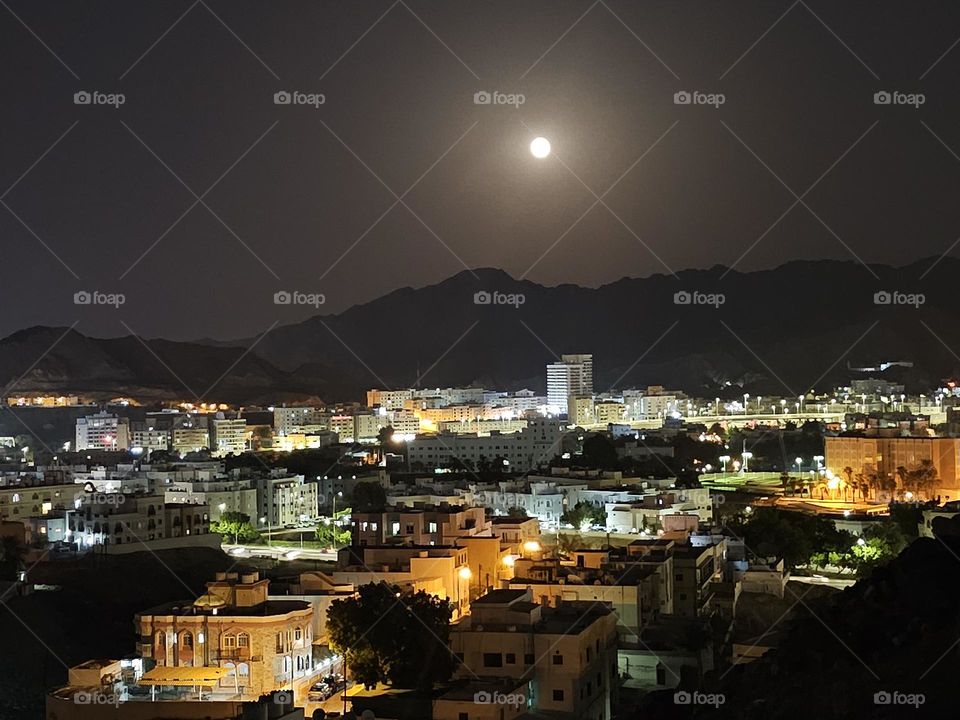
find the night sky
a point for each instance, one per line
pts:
(290, 195)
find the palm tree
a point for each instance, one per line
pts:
(902, 480)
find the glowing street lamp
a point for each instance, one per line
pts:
(724, 459)
(746, 455)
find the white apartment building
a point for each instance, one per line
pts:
(388, 399)
(149, 437)
(573, 375)
(103, 431)
(228, 436)
(287, 420)
(286, 500)
(535, 444)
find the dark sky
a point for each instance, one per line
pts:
(291, 198)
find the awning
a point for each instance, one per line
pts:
(184, 676)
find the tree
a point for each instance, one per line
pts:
(12, 555)
(599, 452)
(369, 497)
(332, 535)
(236, 526)
(583, 515)
(400, 639)
(516, 512)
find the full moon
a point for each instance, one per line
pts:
(540, 147)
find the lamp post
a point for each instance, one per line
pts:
(334, 518)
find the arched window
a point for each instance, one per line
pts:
(298, 634)
(243, 640)
(243, 670)
(160, 647)
(229, 641)
(186, 639)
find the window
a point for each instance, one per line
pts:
(558, 659)
(528, 659)
(243, 640)
(492, 660)
(187, 640)
(588, 654)
(558, 695)
(229, 641)
(298, 634)
(463, 716)
(511, 659)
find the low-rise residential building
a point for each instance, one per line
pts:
(567, 654)
(286, 499)
(442, 571)
(130, 522)
(261, 644)
(537, 443)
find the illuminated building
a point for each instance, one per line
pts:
(103, 431)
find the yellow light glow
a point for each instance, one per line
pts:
(532, 546)
(509, 560)
(465, 573)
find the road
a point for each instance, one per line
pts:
(279, 551)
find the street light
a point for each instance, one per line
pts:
(724, 459)
(798, 461)
(746, 455)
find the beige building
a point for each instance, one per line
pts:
(261, 643)
(442, 571)
(567, 654)
(884, 455)
(419, 526)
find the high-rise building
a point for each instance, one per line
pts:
(573, 375)
(103, 431)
